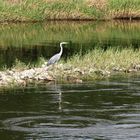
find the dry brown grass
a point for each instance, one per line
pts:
(99, 4)
(66, 15)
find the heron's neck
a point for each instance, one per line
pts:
(61, 49)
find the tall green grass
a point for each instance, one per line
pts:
(34, 10)
(106, 60)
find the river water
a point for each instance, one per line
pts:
(107, 110)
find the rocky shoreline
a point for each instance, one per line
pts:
(58, 72)
(13, 77)
(33, 75)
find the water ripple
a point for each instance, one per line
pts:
(103, 110)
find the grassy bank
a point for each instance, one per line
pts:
(96, 64)
(34, 10)
(112, 59)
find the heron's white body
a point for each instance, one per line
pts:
(57, 56)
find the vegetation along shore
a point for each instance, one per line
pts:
(95, 64)
(34, 10)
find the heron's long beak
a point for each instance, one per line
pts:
(65, 42)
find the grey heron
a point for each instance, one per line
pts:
(57, 56)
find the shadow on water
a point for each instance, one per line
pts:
(29, 42)
(108, 109)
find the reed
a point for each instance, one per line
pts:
(107, 60)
